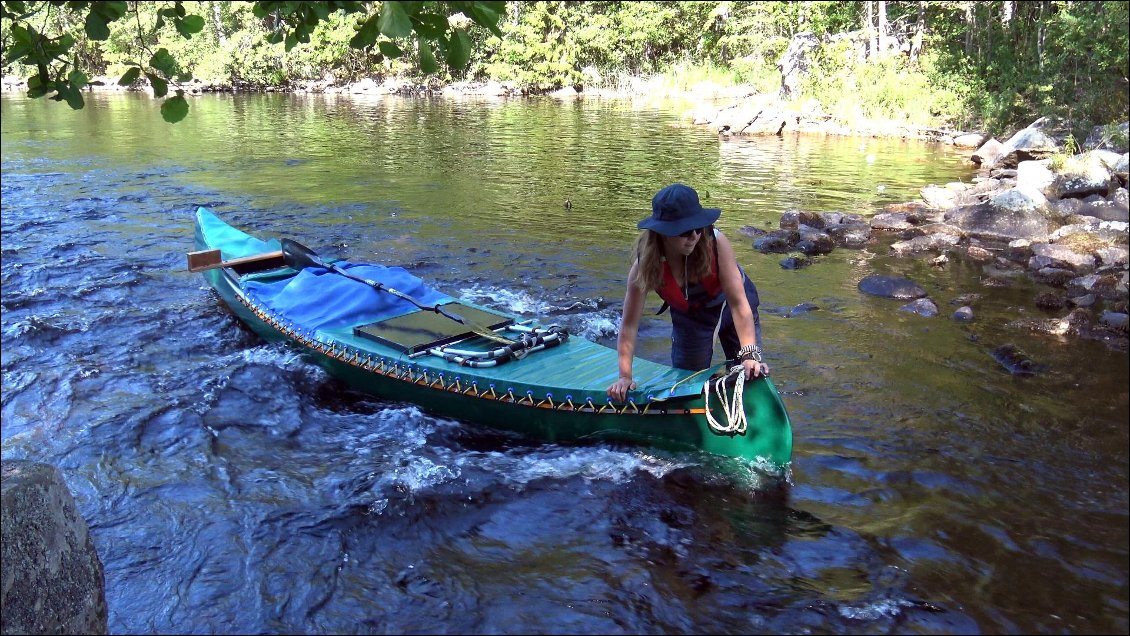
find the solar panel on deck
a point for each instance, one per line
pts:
(423, 330)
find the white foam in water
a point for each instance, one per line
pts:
(589, 463)
(592, 325)
(514, 302)
(875, 611)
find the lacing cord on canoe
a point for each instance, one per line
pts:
(733, 406)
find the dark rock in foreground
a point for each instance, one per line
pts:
(53, 578)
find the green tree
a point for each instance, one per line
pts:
(54, 37)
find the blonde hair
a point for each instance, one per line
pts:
(647, 253)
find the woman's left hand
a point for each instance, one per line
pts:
(754, 369)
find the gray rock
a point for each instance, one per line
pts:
(1105, 210)
(1034, 175)
(963, 314)
(1061, 256)
(988, 154)
(801, 309)
(978, 254)
(938, 197)
(1053, 275)
(986, 221)
(1086, 300)
(930, 243)
(1064, 208)
(1084, 175)
(53, 578)
(893, 221)
(794, 262)
(969, 140)
(771, 243)
(1016, 361)
(922, 307)
(1115, 320)
(1112, 255)
(891, 287)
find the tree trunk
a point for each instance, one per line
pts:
(969, 25)
(883, 40)
(919, 31)
(218, 24)
(872, 45)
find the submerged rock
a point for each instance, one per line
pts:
(922, 307)
(1016, 361)
(891, 287)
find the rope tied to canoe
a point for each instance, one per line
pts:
(733, 405)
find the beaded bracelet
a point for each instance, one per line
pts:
(749, 352)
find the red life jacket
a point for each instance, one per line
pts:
(694, 297)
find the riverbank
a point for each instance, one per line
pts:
(720, 105)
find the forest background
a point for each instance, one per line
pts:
(988, 66)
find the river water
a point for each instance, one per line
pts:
(232, 487)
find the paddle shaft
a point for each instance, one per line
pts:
(385, 288)
(299, 256)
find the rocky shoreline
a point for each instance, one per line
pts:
(1059, 219)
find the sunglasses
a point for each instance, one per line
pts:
(690, 233)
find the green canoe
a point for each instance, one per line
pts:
(533, 379)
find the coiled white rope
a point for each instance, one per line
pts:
(732, 406)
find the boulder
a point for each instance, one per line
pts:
(53, 578)
(988, 154)
(1016, 218)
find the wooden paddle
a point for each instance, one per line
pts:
(205, 260)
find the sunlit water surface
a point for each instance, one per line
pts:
(232, 487)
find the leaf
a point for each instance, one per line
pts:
(427, 58)
(78, 79)
(431, 25)
(394, 22)
(21, 35)
(291, 41)
(192, 24)
(164, 62)
(16, 52)
(96, 28)
(129, 77)
(110, 11)
(320, 9)
(160, 86)
(71, 94)
(366, 34)
(459, 49)
(487, 14)
(388, 49)
(175, 108)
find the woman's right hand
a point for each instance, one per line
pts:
(619, 389)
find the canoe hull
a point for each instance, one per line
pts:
(677, 425)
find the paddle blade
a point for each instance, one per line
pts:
(298, 256)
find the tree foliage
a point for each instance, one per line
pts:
(61, 63)
(989, 64)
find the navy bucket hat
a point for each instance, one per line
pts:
(676, 209)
